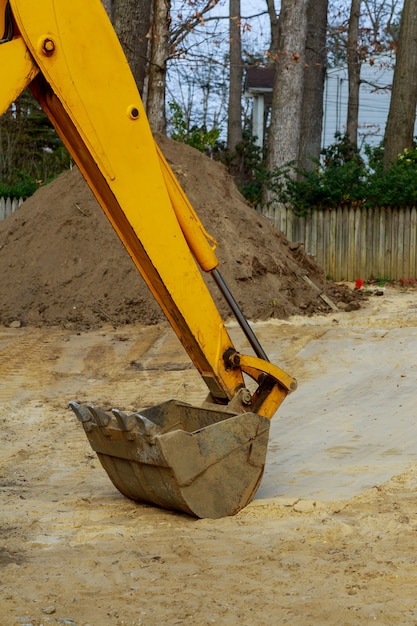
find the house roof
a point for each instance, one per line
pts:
(259, 79)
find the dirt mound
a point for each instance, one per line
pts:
(62, 264)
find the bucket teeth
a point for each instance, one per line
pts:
(100, 417)
(82, 413)
(146, 426)
(125, 422)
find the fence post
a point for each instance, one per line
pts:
(9, 206)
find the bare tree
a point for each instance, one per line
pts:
(402, 112)
(284, 131)
(359, 31)
(314, 77)
(377, 32)
(155, 105)
(234, 125)
(199, 86)
(274, 22)
(382, 15)
(168, 42)
(131, 20)
(354, 72)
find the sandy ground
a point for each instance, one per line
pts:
(331, 537)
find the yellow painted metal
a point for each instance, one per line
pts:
(20, 70)
(197, 237)
(3, 4)
(86, 88)
(274, 388)
(253, 366)
(89, 93)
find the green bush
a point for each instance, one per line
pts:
(247, 166)
(197, 136)
(31, 152)
(397, 184)
(343, 176)
(22, 187)
(339, 177)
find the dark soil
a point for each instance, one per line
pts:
(62, 264)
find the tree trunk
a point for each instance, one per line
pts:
(234, 122)
(131, 20)
(284, 132)
(274, 22)
(155, 106)
(108, 6)
(402, 112)
(314, 76)
(354, 73)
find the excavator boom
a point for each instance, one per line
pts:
(69, 56)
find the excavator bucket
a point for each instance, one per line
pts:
(205, 462)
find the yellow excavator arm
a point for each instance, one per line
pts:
(69, 56)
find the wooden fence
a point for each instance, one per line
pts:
(347, 242)
(8, 205)
(352, 242)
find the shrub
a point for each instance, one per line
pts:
(397, 184)
(338, 178)
(247, 166)
(198, 137)
(23, 186)
(343, 176)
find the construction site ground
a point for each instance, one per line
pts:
(331, 537)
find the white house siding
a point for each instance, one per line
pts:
(374, 101)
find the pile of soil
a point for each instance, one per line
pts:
(62, 264)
